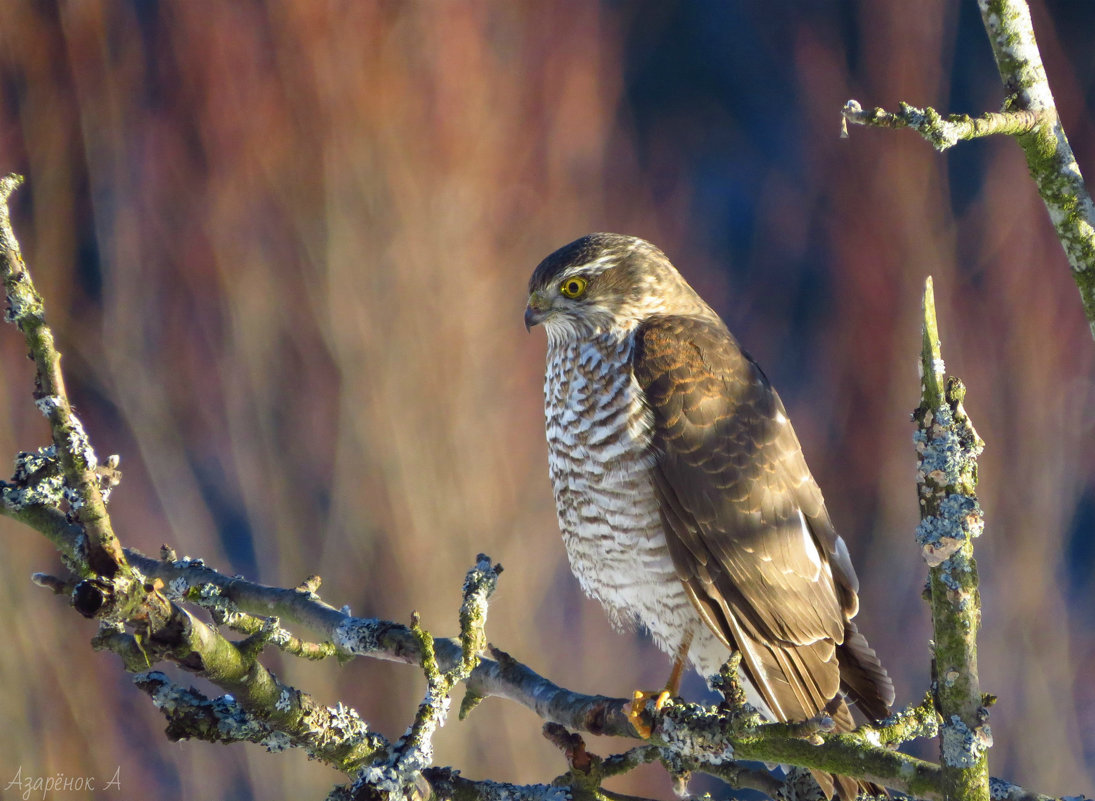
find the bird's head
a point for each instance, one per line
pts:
(603, 283)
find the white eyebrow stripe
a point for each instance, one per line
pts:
(591, 268)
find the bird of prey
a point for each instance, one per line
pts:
(683, 496)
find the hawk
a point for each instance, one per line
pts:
(683, 496)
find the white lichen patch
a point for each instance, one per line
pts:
(77, 442)
(278, 741)
(36, 481)
(187, 562)
(344, 717)
(357, 635)
(19, 307)
(963, 747)
(284, 702)
(700, 735)
(73, 498)
(1003, 790)
(385, 778)
(49, 404)
(278, 636)
(163, 697)
(177, 587)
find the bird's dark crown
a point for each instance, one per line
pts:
(627, 256)
(607, 282)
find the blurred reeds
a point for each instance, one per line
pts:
(285, 247)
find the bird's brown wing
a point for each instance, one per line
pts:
(746, 524)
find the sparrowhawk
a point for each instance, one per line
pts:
(684, 500)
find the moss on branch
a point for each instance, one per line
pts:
(947, 447)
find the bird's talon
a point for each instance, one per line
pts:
(635, 712)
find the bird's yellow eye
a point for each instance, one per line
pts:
(573, 287)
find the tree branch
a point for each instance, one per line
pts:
(699, 738)
(77, 458)
(334, 735)
(1030, 115)
(399, 776)
(1050, 159)
(947, 448)
(940, 131)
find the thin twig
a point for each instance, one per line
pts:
(941, 131)
(78, 460)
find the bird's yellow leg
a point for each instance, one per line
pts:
(672, 687)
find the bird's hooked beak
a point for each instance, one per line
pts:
(536, 310)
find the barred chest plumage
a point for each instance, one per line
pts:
(600, 457)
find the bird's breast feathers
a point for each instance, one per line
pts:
(599, 433)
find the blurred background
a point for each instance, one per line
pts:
(285, 248)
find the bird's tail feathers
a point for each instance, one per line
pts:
(791, 688)
(862, 676)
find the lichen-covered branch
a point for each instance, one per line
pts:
(947, 447)
(505, 677)
(711, 736)
(685, 727)
(588, 771)
(58, 491)
(400, 773)
(335, 735)
(941, 131)
(192, 716)
(73, 449)
(1050, 159)
(35, 503)
(697, 738)
(449, 784)
(912, 723)
(1030, 115)
(227, 613)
